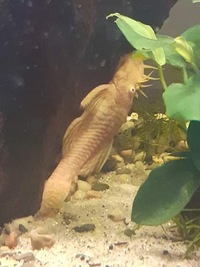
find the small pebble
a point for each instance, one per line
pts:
(28, 264)
(79, 194)
(40, 239)
(128, 155)
(116, 215)
(124, 178)
(165, 252)
(123, 171)
(11, 240)
(68, 218)
(140, 165)
(83, 186)
(93, 194)
(6, 252)
(7, 228)
(95, 264)
(3, 251)
(28, 256)
(24, 223)
(84, 228)
(138, 180)
(109, 165)
(140, 156)
(91, 179)
(152, 166)
(111, 247)
(83, 257)
(128, 232)
(22, 228)
(100, 187)
(118, 158)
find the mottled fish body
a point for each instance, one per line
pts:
(88, 140)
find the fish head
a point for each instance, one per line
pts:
(129, 75)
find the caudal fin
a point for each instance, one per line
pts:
(56, 190)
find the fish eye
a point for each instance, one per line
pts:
(133, 90)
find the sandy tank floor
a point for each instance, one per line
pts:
(108, 241)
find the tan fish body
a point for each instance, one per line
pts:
(88, 140)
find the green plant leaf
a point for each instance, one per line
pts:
(182, 100)
(171, 55)
(195, 1)
(192, 35)
(184, 49)
(173, 58)
(140, 36)
(166, 192)
(193, 139)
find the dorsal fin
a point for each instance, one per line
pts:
(92, 94)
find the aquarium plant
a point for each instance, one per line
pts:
(170, 186)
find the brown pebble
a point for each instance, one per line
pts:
(116, 215)
(120, 243)
(95, 264)
(93, 194)
(28, 256)
(28, 264)
(39, 239)
(5, 252)
(91, 179)
(11, 240)
(126, 153)
(128, 156)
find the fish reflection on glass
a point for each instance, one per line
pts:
(88, 140)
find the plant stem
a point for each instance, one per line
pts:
(162, 79)
(191, 210)
(195, 68)
(185, 76)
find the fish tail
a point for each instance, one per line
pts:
(56, 190)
